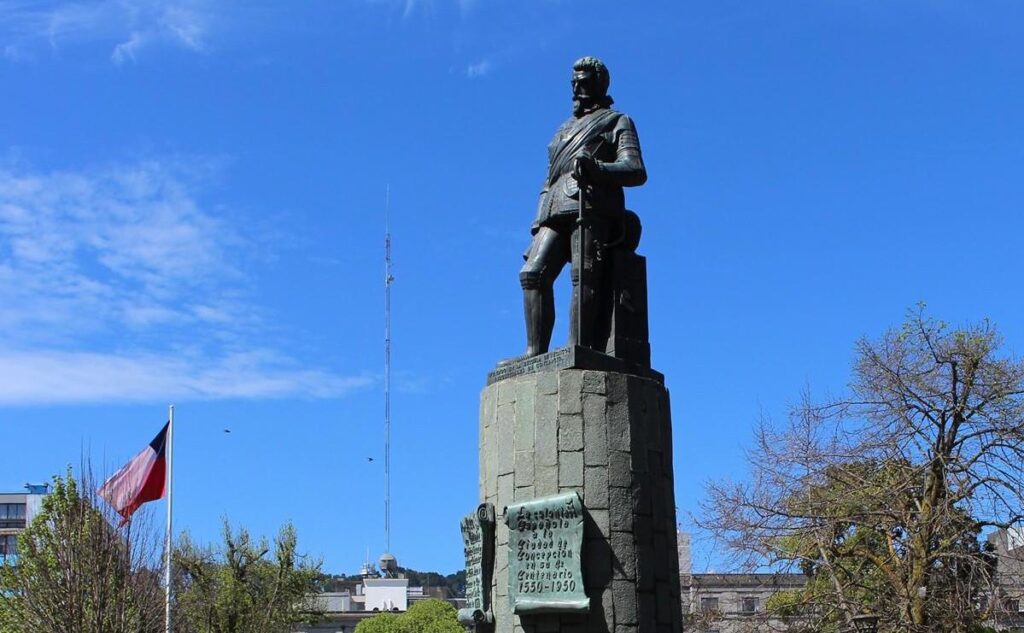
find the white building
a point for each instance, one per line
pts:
(17, 509)
(386, 594)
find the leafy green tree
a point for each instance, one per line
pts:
(425, 616)
(430, 616)
(380, 623)
(77, 573)
(880, 495)
(239, 587)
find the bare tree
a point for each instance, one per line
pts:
(244, 585)
(78, 572)
(880, 496)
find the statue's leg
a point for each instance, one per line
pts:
(545, 259)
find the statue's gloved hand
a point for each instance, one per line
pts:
(584, 167)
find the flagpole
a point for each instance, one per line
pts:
(170, 514)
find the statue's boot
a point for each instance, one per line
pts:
(539, 310)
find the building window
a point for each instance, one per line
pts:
(8, 545)
(708, 605)
(1012, 606)
(749, 605)
(12, 515)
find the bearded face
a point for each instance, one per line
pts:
(587, 91)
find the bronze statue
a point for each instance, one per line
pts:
(582, 214)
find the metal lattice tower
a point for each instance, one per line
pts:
(388, 278)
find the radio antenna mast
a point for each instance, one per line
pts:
(388, 278)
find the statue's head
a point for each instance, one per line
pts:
(590, 82)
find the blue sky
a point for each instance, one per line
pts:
(191, 211)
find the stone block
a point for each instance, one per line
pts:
(487, 466)
(506, 392)
(637, 396)
(597, 563)
(594, 382)
(668, 503)
(506, 484)
(638, 454)
(644, 569)
(596, 524)
(618, 426)
(570, 470)
(491, 485)
(525, 422)
(620, 509)
(625, 600)
(547, 429)
(641, 498)
(646, 609)
(500, 626)
(624, 561)
(616, 386)
(501, 565)
(654, 464)
(595, 431)
(488, 403)
(570, 432)
(595, 486)
(546, 480)
(620, 472)
(643, 534)
(664, 604)
(662, 556)
(570, 389)
(608, 604)
(658, 510)
(601, 618)
(654, 429)
(503, 448)
(673, 561)
(547, 383)
(525, 493)
(524, 468)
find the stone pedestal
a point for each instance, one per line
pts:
(608, 436)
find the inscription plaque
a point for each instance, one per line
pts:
(478, 545)
(545, 538)
(572, 357)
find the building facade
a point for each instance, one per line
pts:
(1008, 603)
(733, 603)
(17, 509)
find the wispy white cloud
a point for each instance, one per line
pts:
(124, 244)
(127, 26)
(79, 377)
(479, 69)
(119, 283)
(411, 7)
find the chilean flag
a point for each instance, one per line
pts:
(142, 479)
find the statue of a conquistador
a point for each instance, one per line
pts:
(581, 212)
